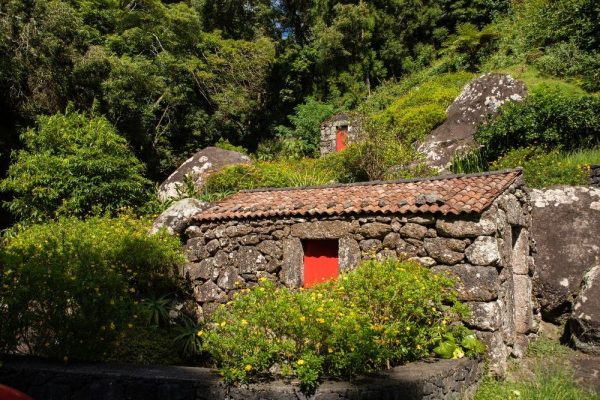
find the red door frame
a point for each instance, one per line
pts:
(320, 261)
(341, 138)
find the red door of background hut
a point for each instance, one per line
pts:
(341, 138)
(320, 261)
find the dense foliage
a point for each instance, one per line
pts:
(560, 37)
(71, 165)
(174, 76)
(70, 288)
(383, 313)
(543, 169)
(550, 118)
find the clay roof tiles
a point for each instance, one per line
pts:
(457, 194)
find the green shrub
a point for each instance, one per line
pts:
(72, 165)
(549, 118)
(382, 314)
(306, 122)
(282, 147)
(565, 59)
(417, 113)
(543, 169)
(282, 173)
(67, 288)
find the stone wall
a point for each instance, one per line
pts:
(595, 175)
(329, 130)
(488, 253)
(441, 379)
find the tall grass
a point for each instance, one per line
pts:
(544, 375)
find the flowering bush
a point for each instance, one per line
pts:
(383, 314)
(68, 288)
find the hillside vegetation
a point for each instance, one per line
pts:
(173, 77)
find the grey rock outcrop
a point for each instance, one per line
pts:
(566, 229)
(177, 217)
(584, 323)
(199, 167)
(479, 99)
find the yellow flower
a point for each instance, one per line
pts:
(302, 318)
(320, 309)
(408, 329)
(418, 347)
(244, 322)
(200, 333)
(248, 368)
(130, 325)
(223, 324)
(320, 320)
(330, 350)
(300, 362)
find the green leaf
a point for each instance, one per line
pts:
(445, 349)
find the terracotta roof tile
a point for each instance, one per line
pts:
(456, 194)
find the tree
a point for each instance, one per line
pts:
(73, 165)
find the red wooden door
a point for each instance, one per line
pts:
(341, 138)
(320, 261)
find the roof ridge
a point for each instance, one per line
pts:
(374, 183)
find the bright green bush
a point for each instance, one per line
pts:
(282, 173)
(72, 165)
(67, 288)
(306, 122)
(417, 113)
(384, 313)
(543, 169)
(551, 118)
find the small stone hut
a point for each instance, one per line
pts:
(474, 227)
(338, 131)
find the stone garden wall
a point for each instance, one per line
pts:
(423, 380)
(489, 253)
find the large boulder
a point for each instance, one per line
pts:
(177, 217)
(566, 230)
(199, 167)
(479, 99)
(584, 323)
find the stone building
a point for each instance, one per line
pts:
(474, 227)
(339, 131)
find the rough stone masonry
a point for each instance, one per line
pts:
(488, 252)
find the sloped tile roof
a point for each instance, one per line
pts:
(457, 194)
